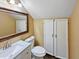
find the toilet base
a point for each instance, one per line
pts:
(34, 57)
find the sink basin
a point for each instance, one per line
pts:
(14, 50)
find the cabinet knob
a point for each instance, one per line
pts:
(56, 36)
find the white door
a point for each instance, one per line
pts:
(48, 36)
(61, 41)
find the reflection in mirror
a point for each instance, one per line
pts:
(20, 22)
(12, 23)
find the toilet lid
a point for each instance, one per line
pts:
(38, 50)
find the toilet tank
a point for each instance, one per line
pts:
(31, 40)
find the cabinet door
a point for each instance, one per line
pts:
(48, 36)
(25, 54)
(62, 38)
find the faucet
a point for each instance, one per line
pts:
(7, 45)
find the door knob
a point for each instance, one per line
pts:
(56, 36)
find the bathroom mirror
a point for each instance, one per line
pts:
(12, 23)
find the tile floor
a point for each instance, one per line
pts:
(50, 57)
(47, 57)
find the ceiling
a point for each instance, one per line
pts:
(49, 8)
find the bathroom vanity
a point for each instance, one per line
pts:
(18, 50)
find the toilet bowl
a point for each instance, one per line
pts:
(37, 51)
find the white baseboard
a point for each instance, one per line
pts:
(49, 53)
(60, 57)
(55, 56)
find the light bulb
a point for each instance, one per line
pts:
(19, 4)
(12, 1)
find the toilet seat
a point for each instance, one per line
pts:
(39, 51)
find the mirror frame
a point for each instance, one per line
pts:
(4, 38)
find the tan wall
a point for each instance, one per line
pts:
(74, 33)
(7, 24)
(38, 31)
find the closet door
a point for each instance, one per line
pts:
(61, 40)
(48, 36)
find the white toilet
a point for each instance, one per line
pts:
(37, 51)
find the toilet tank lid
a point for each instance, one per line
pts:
(30, 39)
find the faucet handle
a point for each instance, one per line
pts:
(5, 46)
(8, 45)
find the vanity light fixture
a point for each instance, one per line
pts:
(15, 2)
